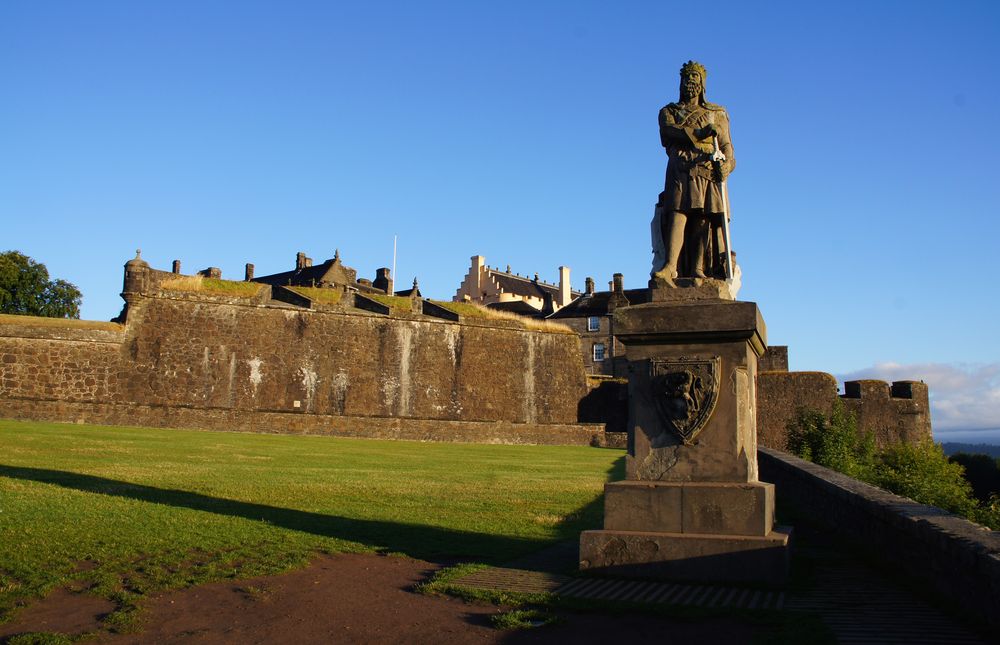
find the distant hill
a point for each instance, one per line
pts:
(951, 447)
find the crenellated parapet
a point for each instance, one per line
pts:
(894, 412)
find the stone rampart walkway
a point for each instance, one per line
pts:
(859, 604)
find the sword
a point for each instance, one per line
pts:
(717, 158)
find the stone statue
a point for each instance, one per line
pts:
(690, 227)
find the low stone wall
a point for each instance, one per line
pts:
(495, 432)
(953, 557)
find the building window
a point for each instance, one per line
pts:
(598, 352)
(594, 323)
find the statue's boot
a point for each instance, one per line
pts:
(666, 275)
(698, 269)
(697, 251)
(673, 240)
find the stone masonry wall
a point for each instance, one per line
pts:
(897, 412)
(781, 394)
(71, 360)
(947, 554)
(227, 354)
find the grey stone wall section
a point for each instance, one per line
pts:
(897, 412)
(498, 432)
(951, 556)
(781, 394)
(892, 413)
(775, 359)
(219, 353)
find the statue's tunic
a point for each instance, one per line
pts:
(689, 185)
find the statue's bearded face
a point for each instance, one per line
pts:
(691, 84)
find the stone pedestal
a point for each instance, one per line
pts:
(691, 507)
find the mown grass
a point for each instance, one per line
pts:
(127, 512)
(394, 303)
(319, 294)
(469, 309)
(71, 323)
(214, 286)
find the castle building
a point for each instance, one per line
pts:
(329, 274)
(511, 292)
(591, 315)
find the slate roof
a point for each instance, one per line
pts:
(406, 293)
(297, 277)
(596, 304)
(332, 270)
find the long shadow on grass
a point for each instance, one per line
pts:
(419, 541)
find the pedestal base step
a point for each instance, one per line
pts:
(705, 508)
(688, 556)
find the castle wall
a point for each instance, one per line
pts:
(781, 394)
(892, 413)
(231, 354)
(69, 362)
(897, 412)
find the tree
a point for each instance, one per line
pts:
(982, 471)
(919, 471)
(25, 288)
(834, 442)
(923, 473)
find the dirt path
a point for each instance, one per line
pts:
(344, 599)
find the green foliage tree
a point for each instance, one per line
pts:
(921, 471)
(834, 442)
(982, 471)
(25, 288)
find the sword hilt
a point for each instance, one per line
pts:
(717, 155)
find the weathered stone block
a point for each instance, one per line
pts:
(687, 556)
(643, 506)
(727, 337)
(669, 507)
(729, 509)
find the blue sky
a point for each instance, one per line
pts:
(865, 212)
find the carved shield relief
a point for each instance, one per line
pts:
(684, 392)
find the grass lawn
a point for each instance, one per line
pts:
(130, 511)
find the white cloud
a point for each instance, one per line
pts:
(963, 396)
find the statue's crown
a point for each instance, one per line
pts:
(692, 66)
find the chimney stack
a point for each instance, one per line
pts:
(590, 286)
(300, 261)
(383, 280)
(565, 293)
(177, 266)
(248, 276)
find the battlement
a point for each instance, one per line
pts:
(891, 412)
(874, 390)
